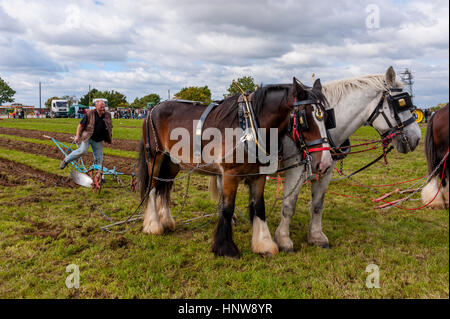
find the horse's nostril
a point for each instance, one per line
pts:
(318, 167)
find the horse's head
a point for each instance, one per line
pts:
(396, 120)
(307, 125)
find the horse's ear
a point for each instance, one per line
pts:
(299, 89)
(317, 85)
(390, 77)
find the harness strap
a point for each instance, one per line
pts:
(322, 140)
(198, 133)
(377, 111)
(368, 165)
(147, 134)
(304, 102)
(318, 149)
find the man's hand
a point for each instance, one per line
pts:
(77, 140)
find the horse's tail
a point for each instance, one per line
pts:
(213, 190)
(143, 170)
(430, 148)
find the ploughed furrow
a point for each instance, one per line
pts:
(13, 174)
(122, 164)
(125, 145)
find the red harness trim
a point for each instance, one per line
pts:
(318, 149)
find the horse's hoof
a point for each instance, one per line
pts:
(268, 254)
(267, 249)
(287, 250)
(284, 244)
(168, 225)
(321, 245)
(319, 240)
(153, 228)
(226, 250)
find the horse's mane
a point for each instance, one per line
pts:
(337, 89)
(228, 108)
(260, 95)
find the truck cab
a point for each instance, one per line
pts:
(59, 108)
(100, 99)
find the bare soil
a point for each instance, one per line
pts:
(13, 174)
(125, 145)
(122, 164)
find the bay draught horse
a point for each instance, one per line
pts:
(272, 106)
(436, 148)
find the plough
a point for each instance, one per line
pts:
(93, 175)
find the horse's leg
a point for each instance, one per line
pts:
(223, 244)
(292, 185)
(262, 242)
(168, 170)
(163, 209)
(152, 224)
(215, 187)
(318, 188)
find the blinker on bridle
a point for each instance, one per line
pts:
(300, 115)
(397, 104)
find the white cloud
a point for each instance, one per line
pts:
(138, 47)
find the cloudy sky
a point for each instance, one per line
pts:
(142, 47)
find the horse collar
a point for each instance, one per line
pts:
(248, 122)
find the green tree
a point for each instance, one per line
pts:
(114, 98)
(85, 98)
(48, 103)
(150, 99)
(6, 92)
(195, 93)
(247, 83)
(71, 99)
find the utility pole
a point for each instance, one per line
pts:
(169, 93)
(40, 95)
(89, 103)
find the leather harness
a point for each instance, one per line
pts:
(379, 110)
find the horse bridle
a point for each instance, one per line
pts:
(298, 123)
(397, 103)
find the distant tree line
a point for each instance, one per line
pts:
(117, 99)
(6, 92)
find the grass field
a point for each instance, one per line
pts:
(45, 228)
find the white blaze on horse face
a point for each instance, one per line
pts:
(325, 160)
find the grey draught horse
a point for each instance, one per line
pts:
(355, 101)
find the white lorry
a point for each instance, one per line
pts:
(59, 108)
(100, 99)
